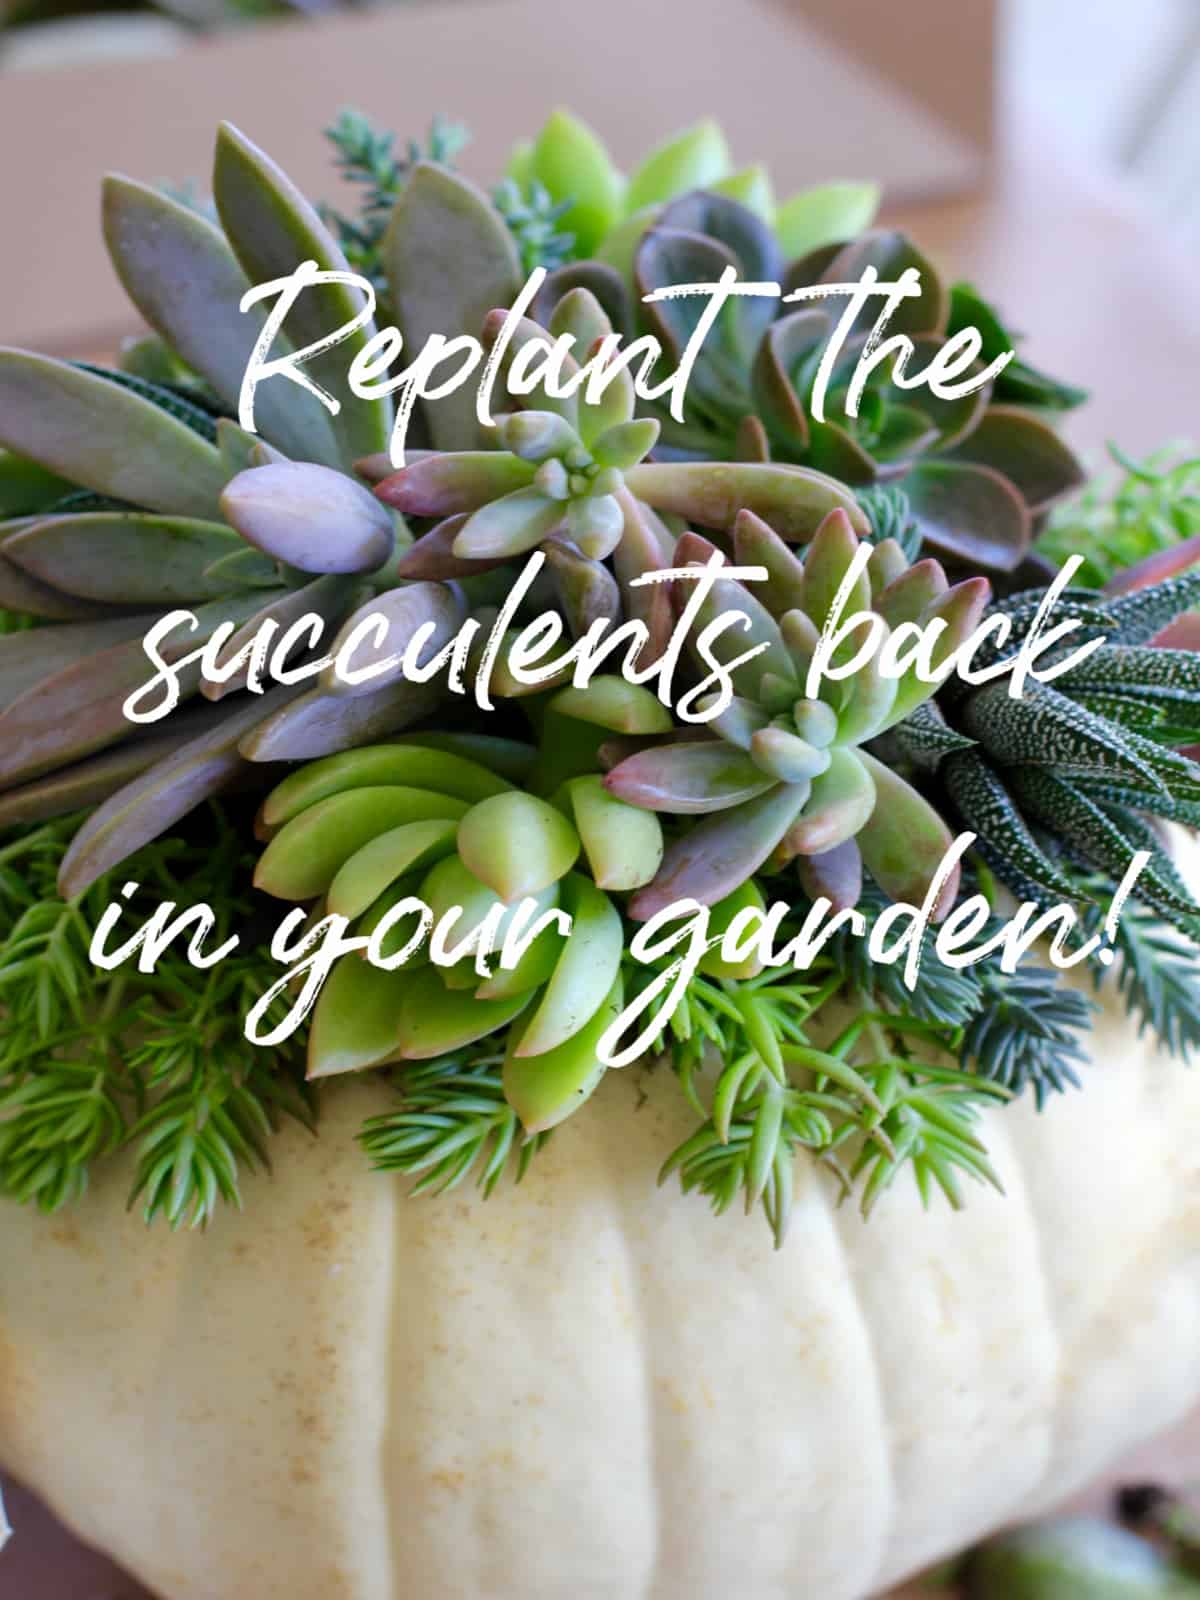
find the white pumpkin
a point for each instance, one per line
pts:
(584, 1389)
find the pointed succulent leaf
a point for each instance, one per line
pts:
(835, 875)
(1026, 451)
(327, 598)
(585, 971)
(545, 1089)
(104, 437)
(910, 595)
(237, 447)
(125, 558)
(179, 271)
(157, 799)
(386, 858)
(613, 702)
(969, 512)
(887, 563)
(431, 558)
(517, 844)
(825, 215)
(829, 556)
(623, 844)
(355, 1020)
(28, 596)
(904, 841)
(409, 765)
(1075, 817)
(839, 805)
(755, 625)
(509, 526)
(925, 737)
(792, 499)
(320, 724)
(749, 897)
(31, 657)
(626, 443)
(1044, 727)
(750, 187)
(575, 167)
(85, 784)
(587, 591)
(983, 802)
(579, 314)
(302, 859)
(960, 609)
(688, 778)
(695, 158)
(541, 366)
(443, 485)
(750, 442)
(756, 544)
(377, 660)
(434, 1020)
(716, 856)
(310, 517)
(81, 708)
(272, 227)
(645, 546)
(449, 259)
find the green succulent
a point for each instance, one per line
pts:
(979, 471)
(361, 832)
(1067, 774)
(575, 468)
(788, 777)
(607, 211)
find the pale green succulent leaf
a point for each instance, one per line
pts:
(272, 228)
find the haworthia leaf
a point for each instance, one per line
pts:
(105, 438)
(179, 271)
(450, 260)
(272, 229)
(125, 558)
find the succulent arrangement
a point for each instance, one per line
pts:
(130, 493)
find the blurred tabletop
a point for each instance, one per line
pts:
(1103, 296)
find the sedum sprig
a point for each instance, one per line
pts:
(452, 1123)
(1152, 506)
(92, 1061)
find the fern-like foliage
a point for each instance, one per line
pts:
(92, 1061)
(368, 157)
(532, 217)
(1153, 505)
(452, 1122)
(891, 517)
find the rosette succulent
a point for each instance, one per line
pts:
(787, 775)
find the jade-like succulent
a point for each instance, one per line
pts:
(363, 831)
(606, 211)
(978, 470)
(786, 776)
